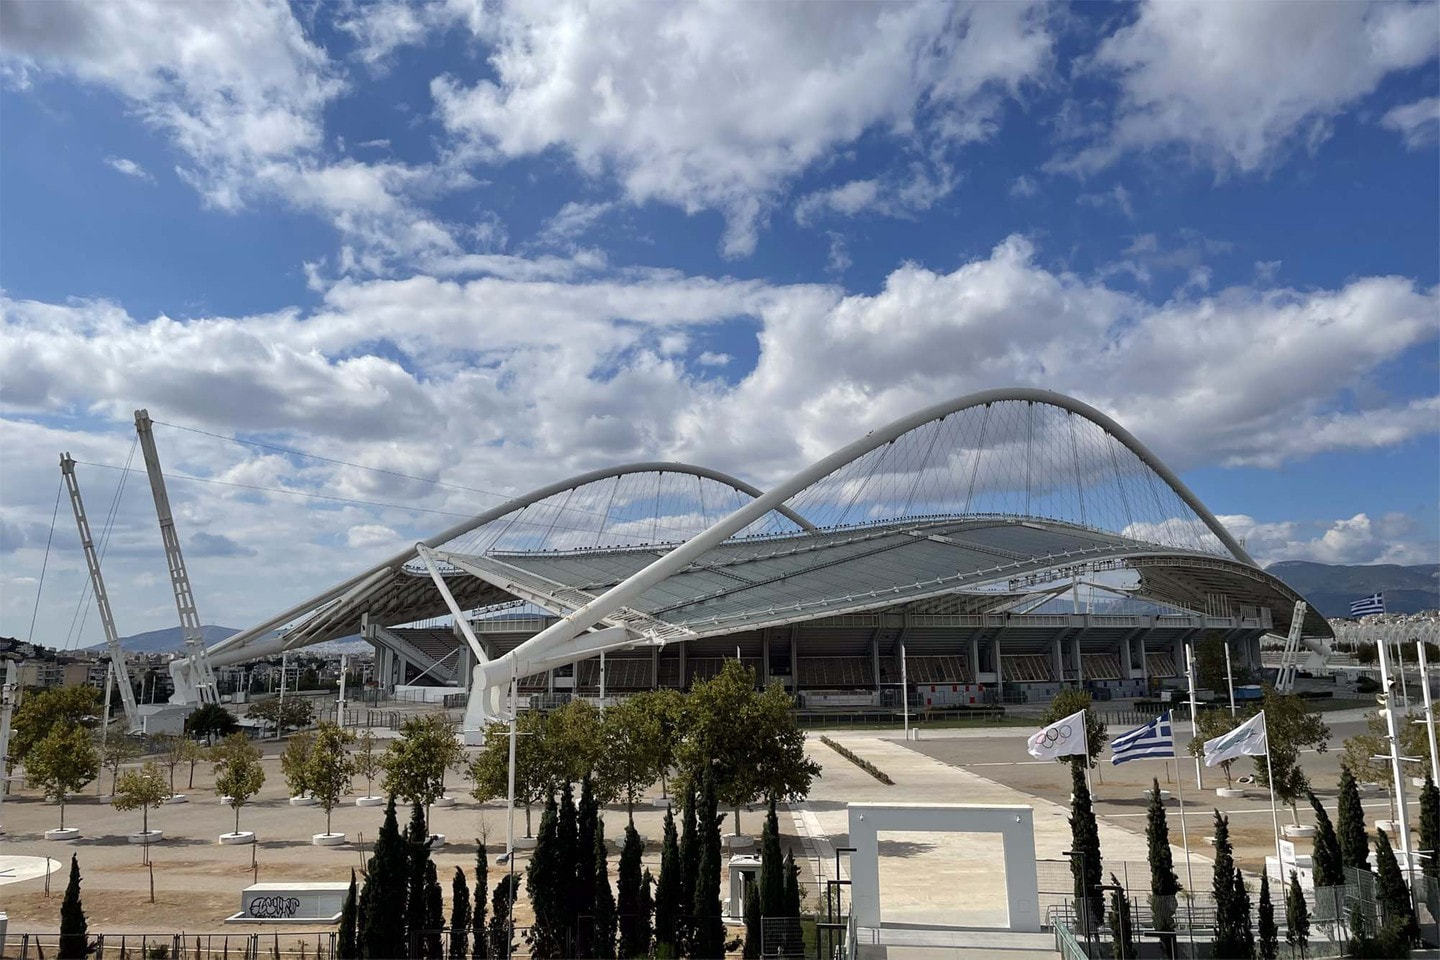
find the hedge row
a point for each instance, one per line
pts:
(863, 764)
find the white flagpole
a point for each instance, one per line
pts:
(1274, 811)
(1185, 842)
(1194, 724)
(1429, 710)
(1085, 737)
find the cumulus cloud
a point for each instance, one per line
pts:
(696, 107)
(1238, 86)
(1392, 538)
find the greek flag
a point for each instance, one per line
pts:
(1368, 605)
(1154, 740)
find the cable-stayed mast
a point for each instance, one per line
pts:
(197, 674)
(102, 599)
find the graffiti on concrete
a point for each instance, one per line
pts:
(274, 908)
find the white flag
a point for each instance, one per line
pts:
(1062, 738)
(1248, 739)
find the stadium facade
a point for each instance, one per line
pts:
(998, 546)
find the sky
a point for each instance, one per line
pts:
(481, 247)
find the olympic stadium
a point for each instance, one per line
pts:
(990, 548)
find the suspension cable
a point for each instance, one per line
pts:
(30, 637)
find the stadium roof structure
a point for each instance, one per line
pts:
(989, 503)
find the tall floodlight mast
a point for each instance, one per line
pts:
(198, 674)
(102, 599)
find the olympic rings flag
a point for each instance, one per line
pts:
(1063, 738)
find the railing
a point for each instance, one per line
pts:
(1066, 945)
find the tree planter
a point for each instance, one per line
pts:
(369, 801)
(234, 839)
(69, 833)
(1230, 793)
(662, 802)
(618, 843)
(1368, 789)
(443, 802)
(328, 839)
(738, 841)
(437, 840)
(147, 836)
(524, 843)
(1164, 795)
(175, 798)
(302, 801)
(1417, 781)
(226, 801)
(1299, 831)
(1391, 827)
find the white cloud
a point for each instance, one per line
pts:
(900, 195)
(1240, 85)
(368, 536)
(1024, 186)
(1418, 123)
(128, 167)
(1393, 538)
(1117, 197)
(572, 221)
(694, 106)
(712, 359)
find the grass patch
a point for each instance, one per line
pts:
(860, 762)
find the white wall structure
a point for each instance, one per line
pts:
(1015, 824)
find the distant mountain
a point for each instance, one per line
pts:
(1331, 587)
(168, 640)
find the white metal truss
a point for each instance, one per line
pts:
(1290, 659)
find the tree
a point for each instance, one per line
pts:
(329, 768)
(1297, 917)
(570, 857)
(61, 764)
(538, 769)
(289, 713)
(1288, 730)
(434, 914)
(1361, 750)
(1069, 701)
(171, 749)
(772, 878)
(1210, 724)
(1210, 664)
(577, 737)
(689, 869)
(459, 916)
(191, 753)
(478, 940)
(238, 774)
(1350, 825)
(1269, 934)
(548, 884)
(501, 905)
(1085, 863)
(1229, 936)
(1392, 895)
(116, 752)
(747, 741)
(295, 763)
(602, 938)
(1240, 904)
(44, 712)
(645, 907)
(417, 858)
(382, 930)
(634, 932)
(667, 893)
(416, 762)
(753, 928)
(791, 905)
(582, 893)
(631, 749)
(141, 789)
(1122, 927)
(366, 759)
(1430, 844)
(210, 720)
(348, 946)
(74, 931)
(708, 933)
(1164, 884)
(1329, 862)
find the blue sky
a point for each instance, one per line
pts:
(495, 245)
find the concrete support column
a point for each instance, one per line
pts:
(1079, 664)
(1127, 651)
(795, 657)
(975, 658)
(875, 657)
(654, 668)
(683, 647)
(1057, 655)
(765, 657)
(999, 669)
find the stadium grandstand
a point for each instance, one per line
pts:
(992, 548)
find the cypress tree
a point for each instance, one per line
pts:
(791, 907)
(434, 914)
(1085, 865)
(567, 832)
(1269, 933)
(1240, 903)
(417, 844)
(479, 943)
(503, 902)
(646, 906)
(752, 921)
(1297, 917)
(1122, 928)
(1393, 897)
(1228, 938)
(459, 916)
(772, 878)
(1430, 844)
(689, 869)
(548, 886)
(707, 939)
(1328, 861)
(382, 929)
(587, 826)
(348, 947)
(602, 938)
(1350, 824)
(74, 930)
(1164, 884)
(667, 893)
(628, 902)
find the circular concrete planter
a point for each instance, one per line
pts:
(739, 841)
(1389, 826)
(443, 802)
(524, 843)
(437, 840)
(235, 839)
(176, 798)
(1230, 793)
(1368, 789)
(327, 839)
(1164, 795)
(617, 843)
(1301, 831)
(69, 833)
(662, 802)
(225, 801)
(1417, 781)
(147, 836)
(302, 801)
(369, 801)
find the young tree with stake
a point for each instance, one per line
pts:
(329, 768)
(62, 764)
(238, 774)
(141, 789)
